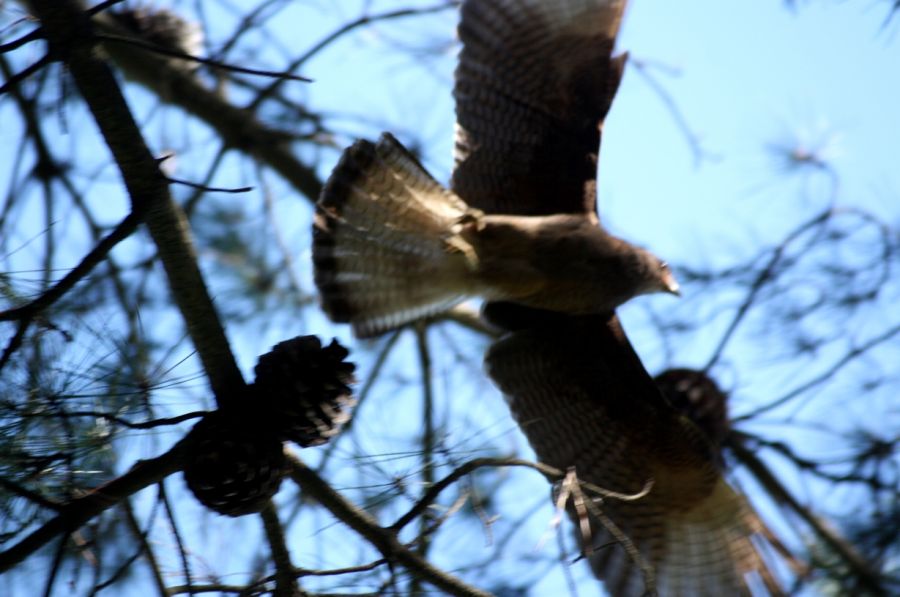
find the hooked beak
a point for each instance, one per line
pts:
(670, 285)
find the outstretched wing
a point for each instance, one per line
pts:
(534, 83)
(584, 400)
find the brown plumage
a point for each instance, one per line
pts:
(391, 245)
(534, 83)
(535, 80)
(583, 400)
(380, 240)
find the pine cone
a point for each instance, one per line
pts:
(233, 468)
(307, 388)
(163, 28)
(699, 398)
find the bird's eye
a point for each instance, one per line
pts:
(663, 265)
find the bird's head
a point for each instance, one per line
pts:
(655, 275)
(667, 279)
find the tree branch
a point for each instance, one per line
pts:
(157, 49)
(238, 127)
(124, 229)
(285, 581)
(550, 473)
(340, 32)
(837, 366)
(866, 575)
(765, 276)
(428, 435)
(78, 511)
(68, 30)
(147, 549)
(384, 540)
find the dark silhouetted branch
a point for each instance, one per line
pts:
(285, 583)
(384, 540)
(867, 577)
(24, 74)
(78, 511)
(550, 473)
(124, 229)
(156, 49)
(63, 23)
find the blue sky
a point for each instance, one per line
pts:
(743, 74)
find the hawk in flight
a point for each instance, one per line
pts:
(391, 245)
(519, 228)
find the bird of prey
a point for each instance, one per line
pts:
(534, 80)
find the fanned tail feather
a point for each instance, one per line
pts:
(705, 551)
(380, 247)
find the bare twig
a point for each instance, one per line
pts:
(298, 572)
(236, 126)
(778, 492)
(157, 49)
(152, 424)
(364, 392)
(275, 225)
(384, 540)
(209, 189)
(14, 343)
(122, 231)
(57, 562)
(98, 8)
(62, 21)
(24, 74)
(17, 43)
(848, 358)
(552, 474)
(428, 435)
(627, 544)
(249, 22)
(26, 313)
(147, 549)
(32, 496)
(143, 547)
(340, 32)
(694, 143)
(285, 578)
(78, 511)
(764, 277)
(176, 534)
